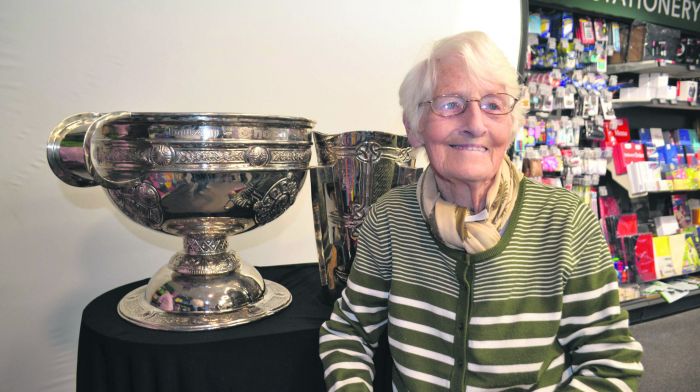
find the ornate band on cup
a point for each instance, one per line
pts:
(230, 133)
(183, 157)
(369, 152)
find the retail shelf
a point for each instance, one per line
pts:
(653, 306)
(656, 104)
(624, 181)
(679, 71)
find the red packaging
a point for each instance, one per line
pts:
(627, 225)
(644, 258)
(626, 153)
(607, 205)
(585, 32)
(619, 129)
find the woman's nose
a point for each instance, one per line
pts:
(473, 119)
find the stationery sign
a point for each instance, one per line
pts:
(680, 14)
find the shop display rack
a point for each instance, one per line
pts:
(679, 71)
(653, 113)
(656, 104)
(653, 306)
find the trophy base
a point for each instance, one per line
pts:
(135, 309)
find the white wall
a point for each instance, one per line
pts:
(338, 63)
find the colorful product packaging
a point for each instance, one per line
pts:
(663, 263)
(644, 258)
(626, 153)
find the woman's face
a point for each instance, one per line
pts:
(468, 147)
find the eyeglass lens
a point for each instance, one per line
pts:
(452, 105)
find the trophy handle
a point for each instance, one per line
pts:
(95, 127)
(64, 150)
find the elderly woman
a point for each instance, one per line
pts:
(486, 280)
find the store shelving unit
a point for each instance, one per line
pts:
(664, 114)
(656, 104)
(667, 114)
(652, 306)
(678, 71)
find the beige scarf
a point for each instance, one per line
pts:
(456, 226)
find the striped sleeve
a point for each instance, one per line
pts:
(348, 339)
(594, 329)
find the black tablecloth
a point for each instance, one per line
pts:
(278, 353)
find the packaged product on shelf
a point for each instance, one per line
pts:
(691, 259)
(628, 244)
(606, 105)
(680, 210)
(627, 225)
(652, 136)
(689, 51)
(610, 232)
(663, 263)
(616, 131)
(643, 177)
(644, 258)
(668, 157)
(678, 250)
(626, 153)
(545, 26)
(666, 225)
(607, 204)
(649, 41)
(691, 159)
(585, 32)
(533, 26)
(617, 41)
(687, 90)
(600, 28)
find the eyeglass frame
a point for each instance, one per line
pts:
(466, 101)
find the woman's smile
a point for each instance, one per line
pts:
(469, 147)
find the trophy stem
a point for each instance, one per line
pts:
(204, 254)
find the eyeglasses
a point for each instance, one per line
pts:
(452, 105)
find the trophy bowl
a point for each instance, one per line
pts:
(200, 176)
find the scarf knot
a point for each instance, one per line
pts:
(459, 228)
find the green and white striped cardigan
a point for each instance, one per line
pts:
(539, 311)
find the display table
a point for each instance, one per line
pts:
(278, 353)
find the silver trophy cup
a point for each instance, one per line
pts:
(356, 168)
(201, 176)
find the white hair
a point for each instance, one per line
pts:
(483, 61)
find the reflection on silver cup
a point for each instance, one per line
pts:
(201, 176)
(356, 168)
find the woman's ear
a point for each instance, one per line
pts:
(415, 139)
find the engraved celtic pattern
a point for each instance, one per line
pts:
(162, 155)
(291, 156)
(202, 132)
(354, 220)
(209, 156)
(404, 155)
(277, 199)
(206, 245)
(368, 152)
(217, 263)
(141, 203)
